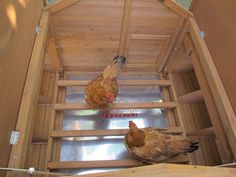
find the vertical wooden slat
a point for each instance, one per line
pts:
(52, 51)
(51, 123)
(125, 25)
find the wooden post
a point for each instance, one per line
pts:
(125, 26)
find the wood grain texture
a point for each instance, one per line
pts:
(16, 43)
(90, 32)
(169, 170)
(218, 91)
(65, 83)
(30, 96)
(145, 105)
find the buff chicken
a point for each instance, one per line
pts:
(103, 90)
(152, 146)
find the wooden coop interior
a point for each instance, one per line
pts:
(73, 42)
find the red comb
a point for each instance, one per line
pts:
(131, 122)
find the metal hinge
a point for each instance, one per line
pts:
(14, 137)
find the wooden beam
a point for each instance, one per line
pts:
(94, 164)
(169, 170)
(125, 25)
(174, 6)
(171, 44)
(192, 97)
(52, 122)
(107, 163)
(221, 138)
(44, 100)
(174, 97)
(206, 132)
(230, 165)
(148, 105)
(139, 69)
(220, 96)
(177, 51)
(116, 132)
(30, 96)
(52, 52)
(65, 83)
(59, 5)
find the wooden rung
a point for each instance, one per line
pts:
(192, 97)
(64, 83)
(44, 100)
(144, 105)
(93, 164)
(202, 132)
(115, 132)
(108, 163)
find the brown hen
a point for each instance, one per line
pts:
(104, 89)
(150, 145)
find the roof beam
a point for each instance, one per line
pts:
(52, 52)
(59, 5)
(174, 6)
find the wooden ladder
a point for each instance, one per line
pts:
(170, 104)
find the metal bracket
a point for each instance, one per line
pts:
(165, 72)
(61, 72)
(14, 137)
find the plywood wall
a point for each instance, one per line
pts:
(217, 19)
(18, 19)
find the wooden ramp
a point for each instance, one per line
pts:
(169, 170)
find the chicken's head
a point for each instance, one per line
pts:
(132, 124)
(110, 97)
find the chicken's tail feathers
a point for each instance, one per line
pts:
(119, 61)
(193, 147)
(115, 67)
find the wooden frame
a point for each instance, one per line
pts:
(216, 86)
(30, 94)
(213, 93)
(164, 38)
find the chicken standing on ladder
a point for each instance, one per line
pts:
(104, 89)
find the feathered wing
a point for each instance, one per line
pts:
(160, 147)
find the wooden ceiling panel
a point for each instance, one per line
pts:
(88, 32)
